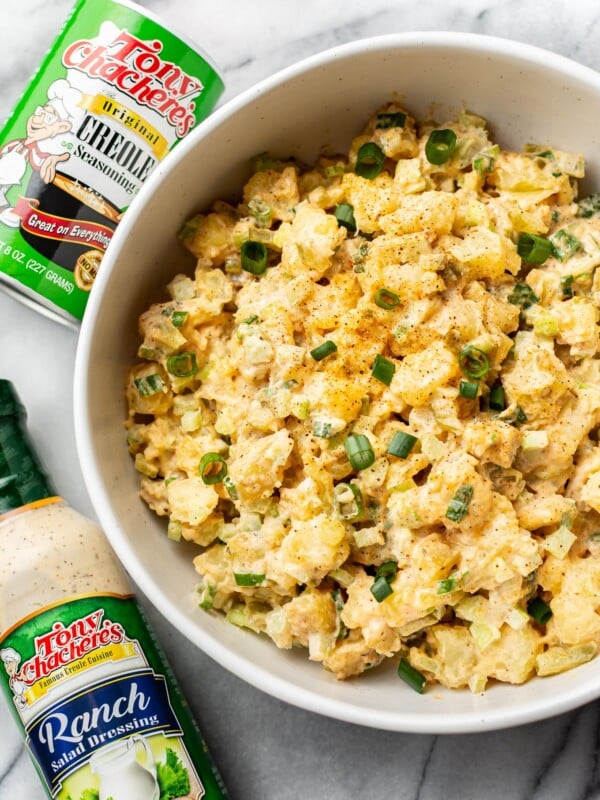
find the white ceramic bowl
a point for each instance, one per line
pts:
(527, 95)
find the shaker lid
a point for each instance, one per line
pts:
(23, 479)
(10, 405)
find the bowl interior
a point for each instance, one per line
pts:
(528, 96)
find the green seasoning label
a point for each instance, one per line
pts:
(102, 716)
(114, 95)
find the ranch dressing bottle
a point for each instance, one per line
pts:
(85, 678)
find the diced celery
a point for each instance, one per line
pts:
(534, 440)
(559, 543)
(174, 530)
(483, 634)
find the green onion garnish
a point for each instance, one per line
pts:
(254, 257)
(411, 676)
(212, 468)
(149, 384)
(178, 318)
(391, 120)
(383, 369)
(522, 295)
(359, 451)
(458, 508)
(520, 417)
(322, 429)
(440, 146)
(324, 350)
(346, 508)
(533, 249)
(497, 400)
(468, 389)
(446, 585)
(261, 211)
(539, 610)
(564, 245)
(401, 444)
(589, 206)
(473, 362)
(381, 589)
(566, 286)
(387, 299)
(344, 213)
(231, 487)
(369, 161)
(248, 578)
(182, 365)
(387, 570)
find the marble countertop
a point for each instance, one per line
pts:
(266, 749)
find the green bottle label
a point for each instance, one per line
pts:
(115, 93)
(101, 712)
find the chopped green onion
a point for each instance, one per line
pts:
(369, 160)
(589, 206)
(231, 487)
(348, 500)
(519, 417)
(497, 401)
(440, 146)
(207, 465)
(383, 369)
(178, 318)
(522, 295)
(331, 170)
(566, 286)
(533, 249)
(254, 257)
(149, 353)
(539, 610)
(468, 389)
(149, 384)
(387, 299)
(248, 578)
(447, 585)
(401, 445)
(263, 161)
(338, 602)
(261, 211)
(358, 258)
(182, 365)
(458, 508)
(322, 429)
(391, 120)
(344, 213)
(324, 350)
(359, 451)
(411, 676)
(473, 362)
(381, 589)
(387, 570)
(564, 245)
(251, 320)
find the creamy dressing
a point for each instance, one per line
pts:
(51, 553)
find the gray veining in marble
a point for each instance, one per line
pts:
(266, 749)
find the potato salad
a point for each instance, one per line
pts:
(374, 406)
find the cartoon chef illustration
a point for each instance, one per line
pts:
(47, 122)
(11, 660)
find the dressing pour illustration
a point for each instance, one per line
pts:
(122, 775)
